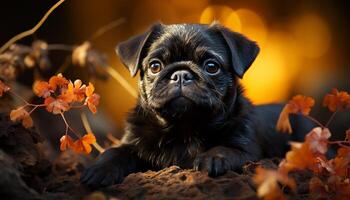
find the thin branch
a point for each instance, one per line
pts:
(124, 83)
(315, 121)
(32, 30)
(106, 28)
(331, 119)
(113, 139)
(89, 130)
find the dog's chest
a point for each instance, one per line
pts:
(167, 151)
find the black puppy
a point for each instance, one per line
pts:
(191, 111)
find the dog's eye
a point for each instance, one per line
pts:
(155, 66)
(212, 67)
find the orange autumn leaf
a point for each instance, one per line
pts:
(42, 89)
(268, 183)
(3, 88)
(56, 106)
(58, 81)
(298, 105)
(318, 140)
(78, 89)
(93, 101)
(20, 114)
(337, 100)
(340, 164)
(305, 155)
(83, 145)
(66, 142)
(90, 90)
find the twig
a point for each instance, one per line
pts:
(314, 120)
(32, 30)
(89, 130)
(113, 139)
(106, 28)
(125, 84)
(331, 119)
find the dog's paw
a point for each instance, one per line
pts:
(101, 175)
(214, 165)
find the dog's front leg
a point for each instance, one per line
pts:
(111, 167)
(218, 160)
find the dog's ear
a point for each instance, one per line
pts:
(132, 51)
(243, 51)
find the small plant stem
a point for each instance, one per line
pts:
(89, 130)
(331, 119)
(113, 139)
(21, 98)
(124, 83)
(315, 121)
(32, 30)
(67, 126)
(35, 107)
(106, 28)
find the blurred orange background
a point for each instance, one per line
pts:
(303, 43)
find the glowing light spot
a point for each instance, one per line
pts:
(252, 25)
(312, 34)
(268, 79)
(224, 14)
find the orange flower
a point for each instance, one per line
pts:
(318, 139)
(78, 89)
(58, 81)
(299, 104)
(308, 155)
(268, 183)
(3, 88)
(92, 99)
(20, 114)
(42, 89)
(337, 100)
(89, 90)
(56, 106)
(83, 145)
(66, 142)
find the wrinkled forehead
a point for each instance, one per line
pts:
(188, 42)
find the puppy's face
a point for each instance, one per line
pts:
(187, 69)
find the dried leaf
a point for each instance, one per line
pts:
(20, 114)
(3, 88)
(267, 181)
(93, 101)
(299, 104)
(58, 81)
(56, 106)
(66, 142)
(337, 100)
(42, 89)
(83, 145)
(318, 140)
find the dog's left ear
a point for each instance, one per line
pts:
(243, 51)
(132, 51)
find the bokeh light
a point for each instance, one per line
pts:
(223, 14)
(312, 34)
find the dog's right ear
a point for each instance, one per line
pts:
(132, 51)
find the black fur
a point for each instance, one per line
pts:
(202, 121)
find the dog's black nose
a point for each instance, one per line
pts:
(183, 77)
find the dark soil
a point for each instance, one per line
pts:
(28, 172)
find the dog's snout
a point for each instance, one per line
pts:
(182, 76)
